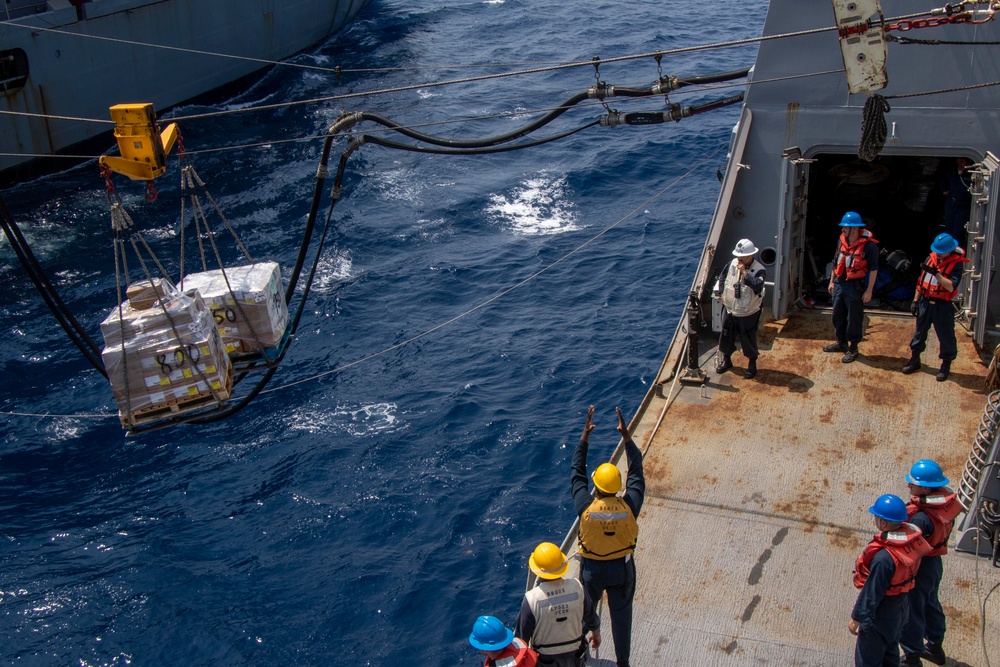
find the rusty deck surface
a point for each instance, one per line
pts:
(757, 497)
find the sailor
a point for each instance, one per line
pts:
(498, 644)
(557, 614)
(932, 508)
(884, 572)
(740, 287)
(608, 531)
(855, 267)
(938, 284)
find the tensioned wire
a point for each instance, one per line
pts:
(496, 297)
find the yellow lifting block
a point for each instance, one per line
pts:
(143, 147)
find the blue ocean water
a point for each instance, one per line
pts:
(366, 516)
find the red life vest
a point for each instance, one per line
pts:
(906, 545)
(516, 654)
(942, 510)
(850, 263)
(928, 284)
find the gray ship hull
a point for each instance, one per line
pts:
(58, 87)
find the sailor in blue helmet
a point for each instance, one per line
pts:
(499, 645)
(855, 267)
(940, 275)
(932, 508)
(884, 572)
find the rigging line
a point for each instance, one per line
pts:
(943, 90)
(507, 291)
(522, 72)
(91, 415)
(52, 117)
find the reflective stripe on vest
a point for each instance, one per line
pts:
(607, 529)
(941, 509)
(850, 263)
(906, 546)
(748, 303)
(928, 284)
(557, 606)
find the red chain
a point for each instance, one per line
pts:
(151, 193)
(933, 22)
(108, 184)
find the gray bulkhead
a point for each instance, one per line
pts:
(794, 169)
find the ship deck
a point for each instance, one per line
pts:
(757, 497)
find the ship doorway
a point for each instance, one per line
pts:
(905, 201)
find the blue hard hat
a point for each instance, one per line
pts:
(889, 507)
(943, 244)
(927, 473)
(489, 634)
(851, 219)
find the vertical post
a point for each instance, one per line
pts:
(693, 374)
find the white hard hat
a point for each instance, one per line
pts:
(745, 248)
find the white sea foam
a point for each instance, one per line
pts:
(537, 207)
(332, 270)
(355, 420)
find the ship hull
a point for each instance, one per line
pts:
(70, 70)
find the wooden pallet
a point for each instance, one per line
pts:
(176, 407)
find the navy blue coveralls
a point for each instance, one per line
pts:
(941, 314)
(880, 616)
(616, 576)
(926, 618)
(848, 307)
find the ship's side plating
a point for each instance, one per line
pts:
(104, 60)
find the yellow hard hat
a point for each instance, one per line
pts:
(607, 478)
(547, 561)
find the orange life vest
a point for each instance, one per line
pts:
(928, 284)
(942, 510)
(906, 545)
(850, 263)
(516, 654)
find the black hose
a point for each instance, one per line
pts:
(477, 143)
(67, 321)
(711, 78)
(388, 143)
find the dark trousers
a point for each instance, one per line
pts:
(926, 618)
(941, 314)
(878, 645)
(617, 577)
(848, 310)
(744, 328)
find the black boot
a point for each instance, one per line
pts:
(913, 365)
(839, 346)
(751, 370)
(911, 660)
(933, 651)
(724, 365)
(850, 355)
(941, 377)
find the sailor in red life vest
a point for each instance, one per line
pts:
(855, 267)
(932, 508)
(885, 572)
(937, 286)
(499, 645)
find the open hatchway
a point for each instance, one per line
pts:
(905, 201)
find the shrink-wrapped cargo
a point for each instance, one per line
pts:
(254, 314)
(165, 359)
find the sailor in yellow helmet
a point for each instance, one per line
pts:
(557, 614)
(608, 531)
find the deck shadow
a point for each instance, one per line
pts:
(796, 384)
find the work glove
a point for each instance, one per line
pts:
(913, 309)
(928, 268)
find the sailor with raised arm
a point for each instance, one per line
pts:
(608, 531)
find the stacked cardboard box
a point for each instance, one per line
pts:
(251, 316)
(165, 356)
